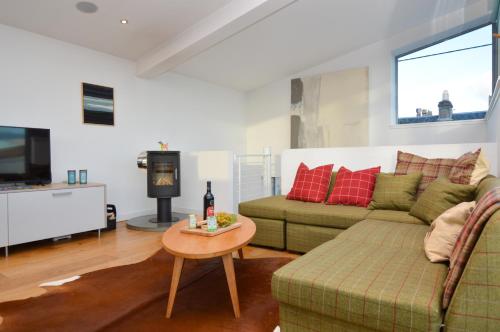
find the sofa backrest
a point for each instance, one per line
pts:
(356, 158)
(486, 185)
(475, 305)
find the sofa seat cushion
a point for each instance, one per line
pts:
(375, 275)
(337, 216)
(395, 216)
(303, 238)
(269, 233)
(272, 207)
(387, 234)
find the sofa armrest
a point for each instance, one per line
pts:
(475, 305)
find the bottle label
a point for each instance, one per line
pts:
(210, 210)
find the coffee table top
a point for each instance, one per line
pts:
(196, 247)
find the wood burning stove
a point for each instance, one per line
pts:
(164, 181)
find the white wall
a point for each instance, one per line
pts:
(268, 108)
(200, 167)
(40, 87)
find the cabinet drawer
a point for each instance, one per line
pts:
(51, 213)
(4, 229)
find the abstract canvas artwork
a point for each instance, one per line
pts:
(330, 110)
(98, 104)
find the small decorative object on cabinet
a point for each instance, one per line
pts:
(72, 176)
(83, 176)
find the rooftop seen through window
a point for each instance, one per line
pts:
(462, 66)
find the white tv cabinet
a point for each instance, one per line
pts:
(50, 211)
(4, 229)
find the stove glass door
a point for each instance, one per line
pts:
(164, 173)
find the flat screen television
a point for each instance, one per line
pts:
(25, 155)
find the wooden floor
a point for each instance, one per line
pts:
(32, 264)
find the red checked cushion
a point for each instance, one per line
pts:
(311, 185)
(354, 188)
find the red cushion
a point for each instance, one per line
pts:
(311, 185)
(354, 188)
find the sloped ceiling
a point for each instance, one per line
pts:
(242, 44)
(309, 32)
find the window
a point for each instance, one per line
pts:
(450, 80)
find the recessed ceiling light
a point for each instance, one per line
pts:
(124, 21)
(86, 7)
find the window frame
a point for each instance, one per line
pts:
(494, 68)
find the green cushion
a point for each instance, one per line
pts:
(318, 214)
(395, 192)
(267, 208)
(332, 183)
(394, 216)
(440, 196)
(486, 185)
(374, 275)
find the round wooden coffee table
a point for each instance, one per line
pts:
(192, 246)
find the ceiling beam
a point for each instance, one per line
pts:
(220, 25)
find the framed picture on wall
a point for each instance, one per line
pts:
(98, 104)
(330, 109)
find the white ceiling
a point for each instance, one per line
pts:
(151, 22)
(253, 50)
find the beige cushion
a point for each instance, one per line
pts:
(481, 170)
(444, 231)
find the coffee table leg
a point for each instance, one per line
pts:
(176, 275)
(240, 253)
(231, 282)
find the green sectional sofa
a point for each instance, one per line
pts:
(301, 226)
(366, 270)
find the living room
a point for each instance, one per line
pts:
(176, 165)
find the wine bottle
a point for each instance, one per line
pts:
(208, 202)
